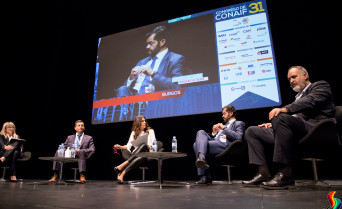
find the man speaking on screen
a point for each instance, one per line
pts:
(155, 72)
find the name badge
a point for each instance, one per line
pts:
(223, 138)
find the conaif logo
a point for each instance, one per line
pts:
(335, 202)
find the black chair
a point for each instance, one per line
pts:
(76, 168)
(26, 156)
(234, 155)
(126, 154)
(322, 142)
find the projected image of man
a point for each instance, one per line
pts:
(155, 72)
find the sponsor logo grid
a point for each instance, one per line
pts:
(245, 55)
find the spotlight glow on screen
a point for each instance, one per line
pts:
(189, 65)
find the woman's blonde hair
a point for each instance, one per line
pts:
(6, 125)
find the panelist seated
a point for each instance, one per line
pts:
(313, 103)
(140, 127)
(84, 146)
(211, 144)
(10, 151)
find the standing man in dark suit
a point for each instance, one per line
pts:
(313, 103)
(155, 72)
(84, 145)
(210, 144)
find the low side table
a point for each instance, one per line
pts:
(61, 160)
(160, 156)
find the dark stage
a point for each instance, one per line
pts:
(107, 194)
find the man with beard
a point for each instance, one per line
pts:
(211, 144)
(313, 103)
(155, 72)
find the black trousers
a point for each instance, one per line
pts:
(285, 132)
(11, 157)
(135, 161)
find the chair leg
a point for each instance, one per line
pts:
(75, 173)
(4, 173)
(314, 168)
(143, 179)
(228, 172)
(316, 181)
(229, 181)
(74, 180)
(143, 172)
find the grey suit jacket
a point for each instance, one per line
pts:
(87, 143)
(317, 103)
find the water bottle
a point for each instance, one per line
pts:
(62, 150)
(154, 146)
(174, 144)
(73, 151)
(59, 151)
(68, 153)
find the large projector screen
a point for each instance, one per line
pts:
(189, 65)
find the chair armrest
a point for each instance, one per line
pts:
(160, 146)
(321, 132)
(125, 154)
(26, 156)
(90, 154)
(233, 147)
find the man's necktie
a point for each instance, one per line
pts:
(153, 62)
(78, 141)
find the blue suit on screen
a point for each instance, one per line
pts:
(172, 65)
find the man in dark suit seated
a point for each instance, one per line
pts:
(155, 72)
(210, 144)
(313, 103)
(84, 144)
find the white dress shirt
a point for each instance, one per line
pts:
(76, 139)
(299, 95)
(142, 76)
(150, 138)
(229, 124)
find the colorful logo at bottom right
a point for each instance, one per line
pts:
(335, 202)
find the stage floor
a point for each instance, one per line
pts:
(107, 194)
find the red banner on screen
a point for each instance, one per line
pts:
(139, 98)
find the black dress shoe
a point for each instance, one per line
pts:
(279, 181)
(119, 181)
(256, 181)
(203, 181)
